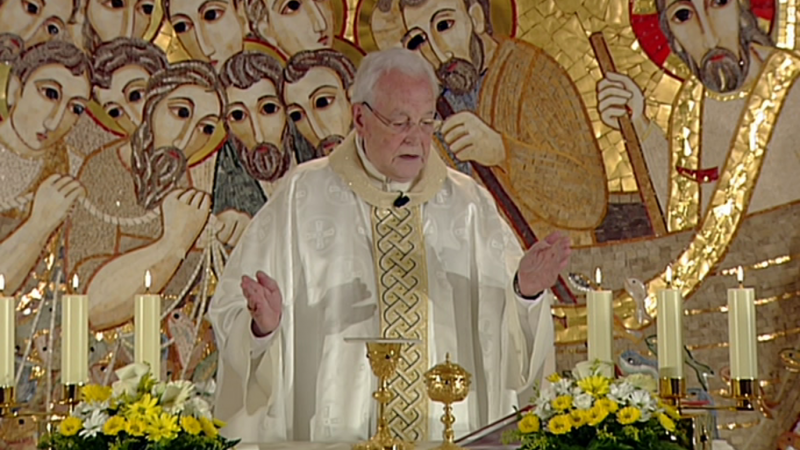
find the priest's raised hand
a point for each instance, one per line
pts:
(541, 264)
(264, 301)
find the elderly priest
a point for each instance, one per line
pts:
(380, 239)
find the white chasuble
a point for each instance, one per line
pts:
(350, 264)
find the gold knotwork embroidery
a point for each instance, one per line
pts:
(402, 279)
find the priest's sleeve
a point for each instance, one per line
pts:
(253, 372)
(526, 338)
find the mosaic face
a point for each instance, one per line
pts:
(707, 33)
(255, 115)
(186, 119)
(36, 21)
(446, 34)
(48, 105)
(297, 25)
(210, 31)
(440, 29)
(318, 104)
(115, 18)
(124, 100)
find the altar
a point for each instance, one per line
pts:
(346, 446)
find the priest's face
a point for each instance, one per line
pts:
(397, 126)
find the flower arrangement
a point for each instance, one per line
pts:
(138, 413)
(594, 412)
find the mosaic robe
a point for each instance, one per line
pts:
(315, 237)
(530, 100)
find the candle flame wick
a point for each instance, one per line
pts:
(2, 283)
(598, 277)
(147, 280)
(669, 276)
(740, 275)
(75, 282)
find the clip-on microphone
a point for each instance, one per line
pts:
(401, 200)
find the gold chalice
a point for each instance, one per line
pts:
(384, 357)
(448, 383)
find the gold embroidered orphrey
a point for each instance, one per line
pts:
(403, 306)
(731, 198)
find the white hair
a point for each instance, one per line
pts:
(377, 64)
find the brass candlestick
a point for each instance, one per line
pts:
(8, 401)
(744, 393)
(71, 396)
(672, 390)
(384, 357)
(448, 383)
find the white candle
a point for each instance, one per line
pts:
(147, 319)
(600, 321)
(670, 330)
(7, 336)
(75, 337)
(742, 331)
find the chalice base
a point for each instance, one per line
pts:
(378, 443)
(449, 446)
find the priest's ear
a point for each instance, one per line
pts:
(358, 117)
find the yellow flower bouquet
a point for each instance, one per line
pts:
(595, 412)
(138, 413)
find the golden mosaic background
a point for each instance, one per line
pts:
(561, 28)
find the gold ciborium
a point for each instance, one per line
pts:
(447, 383)
(384, 357)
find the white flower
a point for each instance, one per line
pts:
(563, 387)
(542, 408)
(197, 407)
(129, 378)
(206, 389)
(82, 411)
(620, 392)
(582, 401)
(643, 400)
(94, 424)
(174, 396)
(642, 381)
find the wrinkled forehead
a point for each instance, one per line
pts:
(72, 86)
(316, 80)
(259, 90)
(397, 91)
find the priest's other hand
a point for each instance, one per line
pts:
(264, 301)
(539, 268)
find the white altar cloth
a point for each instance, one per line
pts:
(716, 445)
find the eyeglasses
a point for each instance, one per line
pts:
(426, 125)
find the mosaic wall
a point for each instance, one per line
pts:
(140, 135)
